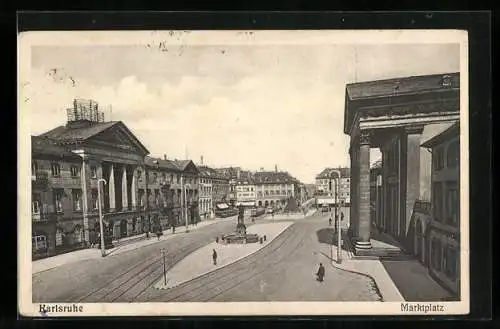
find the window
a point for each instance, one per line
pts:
(77, 234)
(436, 254)
(155, 177)
(95, 199)
(139, 175)
(178, 179)
(34, 168)
(438, 158)
(77, 200)
(141, 197)
(58, 195)
(93, 172)
(453, 154)
(171, 178)
(164, 177)
(39, 242)
(452, 204)
(437, 201)
(56, 169)
(75, 171)
(59, 237)
(450, 263)
(35, 204)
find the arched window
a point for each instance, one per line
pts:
(453, 154)
(59, 236)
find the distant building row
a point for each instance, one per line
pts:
(139, 193)
(326, 180)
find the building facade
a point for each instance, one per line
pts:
(109, 152)
(206, 191)
(441, 235)
(245, 189)
(168, 197)
(325, 184)
(56, 199)
(73, 164)
(274, 188)
(395, 116)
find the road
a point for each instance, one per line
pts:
(282, 271)
(120, 277)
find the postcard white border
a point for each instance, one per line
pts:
(28, 39)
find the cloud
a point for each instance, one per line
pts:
(252, 107)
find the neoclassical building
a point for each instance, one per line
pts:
(109, 152)
(394, 115)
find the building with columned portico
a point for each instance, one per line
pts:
(394, 116)
(109, 151)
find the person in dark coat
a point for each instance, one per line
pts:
(321, 273)
(214, 256)
(330, 221)
(341, 216)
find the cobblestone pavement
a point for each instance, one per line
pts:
(282, 271)
(122, 276)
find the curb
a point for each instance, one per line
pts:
(373, 282)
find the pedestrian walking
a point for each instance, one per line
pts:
(341, 216)
(158, 233)
(214, 257)
(321, 273)
(330, 221)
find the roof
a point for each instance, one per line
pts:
(42, 146)
(75, 134)
(384, 95)
(273, 177)
(404, 85)
(452, 131)
(173, 165)
(344, 172)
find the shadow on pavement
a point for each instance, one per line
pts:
(328, 236)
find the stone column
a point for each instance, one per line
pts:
(355, 190)
(124, 189)
(412, 159)
(133, 190)
(111, 182)
(383, 219)
(351, 190)
(364, 230)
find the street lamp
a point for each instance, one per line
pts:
(103, 247)
(337, 220)
(164, 252)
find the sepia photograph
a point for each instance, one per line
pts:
(320, 172)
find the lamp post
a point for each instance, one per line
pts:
(164, 252)
(337, 220)
(103, 248)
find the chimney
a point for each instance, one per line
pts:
(201, 160)
(165, 157)
(238, 173)
(276, 168)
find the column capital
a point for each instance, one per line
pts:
(364, 137)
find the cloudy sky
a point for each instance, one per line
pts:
(247, 105)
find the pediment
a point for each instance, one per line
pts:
(119, 137)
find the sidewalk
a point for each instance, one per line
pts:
(122, 245)
(371, 268)
(200, 262)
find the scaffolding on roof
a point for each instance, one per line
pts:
(85, 109)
